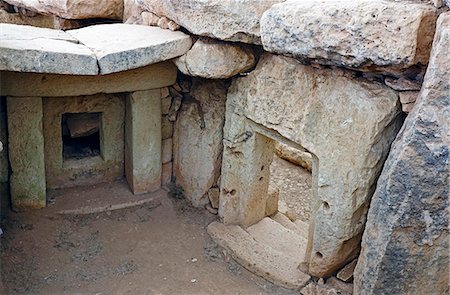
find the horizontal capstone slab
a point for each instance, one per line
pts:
(41, 50)
(357, 34)
(120, 47)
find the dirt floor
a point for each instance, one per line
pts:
(146, 249)
(294, 184)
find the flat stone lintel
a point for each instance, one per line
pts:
(53, 85)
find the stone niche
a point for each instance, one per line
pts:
(84, 139)
(66, 131)
(346, 123)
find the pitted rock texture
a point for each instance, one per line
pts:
(405, 244)
(230, 20)
(74, 9)
(215, 59)
(334, 110)
(198, 134)
(360, 34)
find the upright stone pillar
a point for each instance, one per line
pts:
(143, 141)
(26, 152)
(245, 178)
(405, 247)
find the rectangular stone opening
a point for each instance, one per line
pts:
(290, 184)
(81, 135)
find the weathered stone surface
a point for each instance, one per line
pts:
(40, 50)
(121, 47)
(42, 21)
(362, 34)
(298, 157)
(4, 162)
(215, 59)
(143, 141)
(402, 84)
(84, 124)
(26, 152)
(258, 257)
(334, 111)
(346, 273)
(49, 85)
(230, 20)
(408, 96)
(62, 172)
(331, 287)
(166, 173)
(74, 9)
(166, 128)
(214, 195)
(198, 139)
(406, 241)
(166, 150)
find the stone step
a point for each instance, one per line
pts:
(298, 226)
(263, 260)
(272, 234)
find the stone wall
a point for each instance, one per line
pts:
(331, 78)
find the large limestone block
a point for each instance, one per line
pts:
(41, 50)
(198, 134)
(405, 244)
(53, 85)
(230, 20)
(74, 9)
(215, 59)
(358, 34)
(334, 110)
(121, 47)
(26, 152)
(143, 141)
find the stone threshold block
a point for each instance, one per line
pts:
(143, 162)
(64, 172)
(121, 47)
(366, 35)
(26, 152)
(334, 111)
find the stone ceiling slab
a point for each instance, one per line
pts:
(121, 47)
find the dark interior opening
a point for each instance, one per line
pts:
(81, 135)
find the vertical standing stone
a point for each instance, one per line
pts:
(26, 152)
(245, 161)
(4, 164)
(143, 141)
(405, 243)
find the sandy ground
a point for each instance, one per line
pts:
(294, 184)
(139, 250)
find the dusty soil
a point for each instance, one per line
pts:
(139, 250)
(294, 184)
